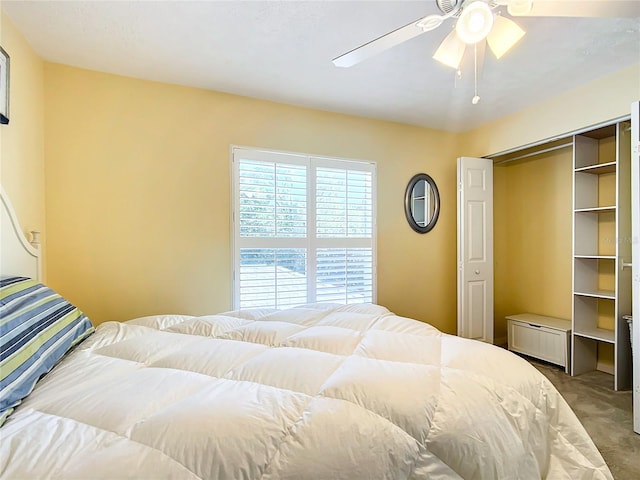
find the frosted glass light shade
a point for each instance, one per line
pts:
(504, 35)
(450, 51)
(475, 22)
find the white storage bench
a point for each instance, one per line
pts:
(545, 338)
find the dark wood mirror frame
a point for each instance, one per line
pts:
(408, 197)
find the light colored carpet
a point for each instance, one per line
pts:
(605, 414)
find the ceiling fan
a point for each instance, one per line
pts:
(476, 21)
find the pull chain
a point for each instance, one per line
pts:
(476, 97)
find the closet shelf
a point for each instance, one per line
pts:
(598, 169)
(585, 254)
(608, 294)
(607, 209)
(599, 334)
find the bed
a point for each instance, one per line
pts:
(319, 391)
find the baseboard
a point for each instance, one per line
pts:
(605, 367)
(500, 342)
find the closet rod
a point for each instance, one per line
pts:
(568, 135)
(537, 152)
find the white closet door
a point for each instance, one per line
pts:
(475, 248)
(635, 235)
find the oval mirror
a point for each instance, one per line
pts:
(422, 203)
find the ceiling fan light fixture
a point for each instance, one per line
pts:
(450, 51)
(503, 36)
(475, 22)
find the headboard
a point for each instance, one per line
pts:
(17, 255)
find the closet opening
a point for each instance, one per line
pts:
(562, 230)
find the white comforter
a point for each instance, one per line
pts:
(324, 391)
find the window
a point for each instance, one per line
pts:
(304, 230)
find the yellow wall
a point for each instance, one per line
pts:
(138, 200)
(137, 183)
(532, 235)
(604, 99)
(22, 140)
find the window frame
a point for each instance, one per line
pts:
(278, 156)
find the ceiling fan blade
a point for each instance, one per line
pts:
(583, 8)
(389, 40)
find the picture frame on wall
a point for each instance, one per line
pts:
(4, 86)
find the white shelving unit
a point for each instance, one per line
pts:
(601, 248)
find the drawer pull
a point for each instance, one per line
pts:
(534, 325)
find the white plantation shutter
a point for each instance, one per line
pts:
(273, 199)
(344, 275)
(303, 230)
(343, 203)
(272, 277)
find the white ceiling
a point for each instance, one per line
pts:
(282, 51)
